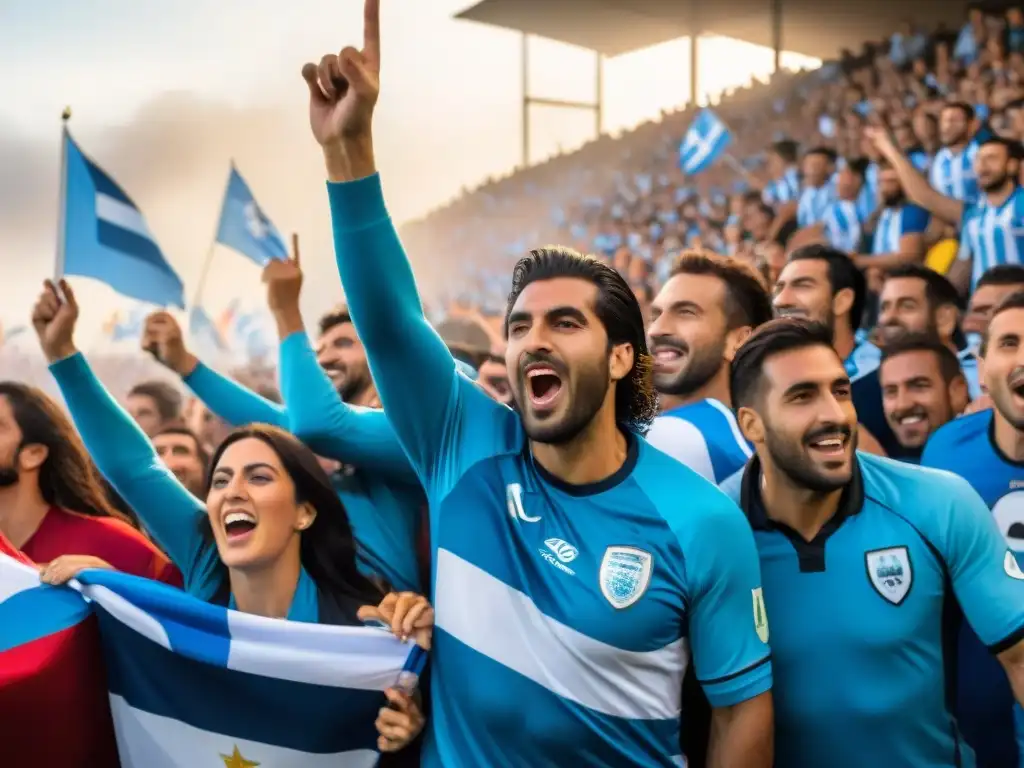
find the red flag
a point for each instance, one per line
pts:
(54, 708)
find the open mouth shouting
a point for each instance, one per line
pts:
(830, 444)
(1016, 382)
(543, 386)
(239, 525)
(792, 312)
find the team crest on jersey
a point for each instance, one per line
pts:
(625, 574)
(890, 573)
(1011, 567)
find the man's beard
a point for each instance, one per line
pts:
(703, 365)
(1003, 399)
(583, 404)
(892, 331)
(793, 462)
(894, 200)
(8, 476)
(997, 184)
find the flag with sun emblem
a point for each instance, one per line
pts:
(245, 228)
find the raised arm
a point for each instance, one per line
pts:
(430, 405)
(238, 406)
(917, 187)
(120, 449)
(361, 437)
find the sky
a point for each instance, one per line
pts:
(165, 95)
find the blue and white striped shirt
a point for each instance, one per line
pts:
(842, 226)
(969, 367)
(992, 235)
(704, 436)
(867, 199)
(894, 223)
(952, 174)
(814, 201)
(783, 189)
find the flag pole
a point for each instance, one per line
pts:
(208, 261)
(295, 245)
(62, 202)
(735, 164)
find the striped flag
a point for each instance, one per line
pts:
(706, 140)
(53, 695)
(106, 237)
(197, 684)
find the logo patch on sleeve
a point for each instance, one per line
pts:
(760, 615)
(1011, 567)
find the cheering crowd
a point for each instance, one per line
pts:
(744, 489)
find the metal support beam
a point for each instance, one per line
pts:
(596, 106)
(777, 33)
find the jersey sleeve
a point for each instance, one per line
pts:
(231, 401)
(987, 581)
(125, 457)
(361, 437)
(443, 421)
(915, 220)
(728, 625)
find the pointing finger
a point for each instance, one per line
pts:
(371, 33)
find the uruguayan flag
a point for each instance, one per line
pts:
(244, 226)
(195, 684)
(106, 237)
(705, 141)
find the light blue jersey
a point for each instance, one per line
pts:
(895, 222)
(704, 436)
(380, 492)
(865, 616)
(991, 235)
(842, 224)
(814, 202)
(783, 189)
(985, 701)
(565, 616)
(952, 173)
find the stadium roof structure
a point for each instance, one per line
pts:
(819, 28)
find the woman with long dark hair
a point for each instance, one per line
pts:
(272, 537)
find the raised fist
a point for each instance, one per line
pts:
(162, 338)
(54, 319)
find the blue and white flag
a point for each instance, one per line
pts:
(245, 228)
(106, 237)
(196, 684)
(706, 140)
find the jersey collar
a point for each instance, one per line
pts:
(590, 489)
(811, 554)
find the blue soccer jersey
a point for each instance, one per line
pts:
(704, 436)
(985, 701)
(865, 616)
(566, 616)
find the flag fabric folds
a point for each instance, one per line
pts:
(245, 228)
(706, 140)
(106, 237)
(53, 695)
(189, 683)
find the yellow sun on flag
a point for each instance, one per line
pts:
(235, 760)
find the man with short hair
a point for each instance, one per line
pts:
(549, 523)
(51, 500)
(819, 190)
(952, 172)
(862, 558)
(993, 287)
(705, 311)
(917, 299)
(923, 388)
(184, 455)
(899, 236)
(822, 284)
(992, 227)
(987, 449)
(154, 405)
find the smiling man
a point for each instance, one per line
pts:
(923, 388)
(987, 449)
(705, 311)
(860, 557)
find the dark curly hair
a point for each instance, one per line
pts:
(636, 403)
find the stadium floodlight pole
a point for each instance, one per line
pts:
(62, 202)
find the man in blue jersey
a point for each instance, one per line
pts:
(899, 236)
(565, 617)
(917, 299)
(864, 562)
(923, 388)
(987, 449)
(952, 172)
(701, 316)
(819, 189)
(822, 284)
(992, 227)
